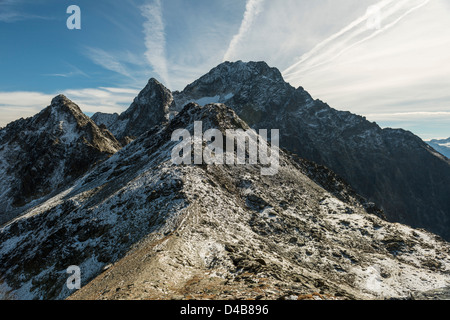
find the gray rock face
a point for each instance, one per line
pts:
(150, 108)
(438, 294)
(442, 146)
(392, 168)
(42, 154)
(105, 119)
(140, 227)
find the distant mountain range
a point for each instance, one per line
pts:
(103, 194)
(443, 146)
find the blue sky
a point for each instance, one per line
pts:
(396, 74)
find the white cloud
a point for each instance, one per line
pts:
(356, 33)
(398, 75)
(155, 39)
(252, 10)
(13, 11)
(278, 32)
(103, 99)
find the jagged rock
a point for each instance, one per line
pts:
(166, 231)
(42, 154)
(105, 119)
(393, 168)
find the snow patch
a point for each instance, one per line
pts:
(207, 100)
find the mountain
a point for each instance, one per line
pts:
(393, 168)
(140, 227)
(42, 154)
(150, 108)
(442, 146)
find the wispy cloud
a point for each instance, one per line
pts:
(395, 75)
(16, 105)
(356, 33)
(22, 104)
(155, 39)
(252, 10)
(73, 73)
(407, 116)
(108, 61)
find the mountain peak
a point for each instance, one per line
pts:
(150, 108)
(234, 82)
(239, 71)
(60, 108)
(153, 81)
(149, 227)
(153, 88)
(368, 157)
(258, 67)
(213, 116)
(60, 99)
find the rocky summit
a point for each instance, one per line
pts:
(394, 168)
(140, 227)
(41, 155)
(105, 196)
(150, 108)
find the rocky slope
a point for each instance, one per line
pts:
(392, 168)
(141, 227)
(442, 146)
(42, 154)
(150, 108)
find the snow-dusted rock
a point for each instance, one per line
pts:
(42, 154)
(393, 168)
(150, 108)
(140, 227)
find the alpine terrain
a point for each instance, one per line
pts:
(42, 154)
(141, 115)
(393, 168)
(108, 198)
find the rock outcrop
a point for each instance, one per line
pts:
(42, 154)
(393, 168)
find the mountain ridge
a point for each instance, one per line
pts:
(378, 163)
(140, 227)
(43, 153)
(149, 108)
(441, 145)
